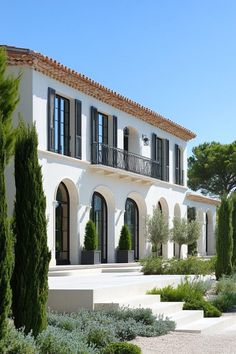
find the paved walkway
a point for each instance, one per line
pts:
(96, 279)
(188, 343)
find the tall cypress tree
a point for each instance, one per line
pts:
(6, 254)
(234, 228)
(9, 97)
(30, 275)
(224, 239)
(8, 101)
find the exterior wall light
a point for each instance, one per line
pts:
(145, 140)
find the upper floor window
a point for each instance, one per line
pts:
(102, 128)
(59, 125)
(179, 173)
(62, 125)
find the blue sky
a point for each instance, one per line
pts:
(177, 57)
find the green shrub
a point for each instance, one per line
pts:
(224, 301)
(115, 324)
(191, 265)
(160, 327)
(226, 284)
(58, 341)
(196, 304)
(122, 348)
(139, 314)
(101, 336)
(125, 242)
(183, 292)
(18, 343)
(152, 265)
(91, 237)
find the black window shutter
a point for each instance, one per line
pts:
(154, 144)
(78, 129)
(167, 160)
(114, 131)
(154, 166)
(177, 179)
(51, 119)
(94, 135)
(163, 163)
(115, 141)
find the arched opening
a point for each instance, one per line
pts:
(161, 248)
(131, 218)
(177, 214)
(207, 233)
(62, 225)
(163, 207)
(99, 216)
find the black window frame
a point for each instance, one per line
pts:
(66, 122)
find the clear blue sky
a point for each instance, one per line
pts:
(177, 57)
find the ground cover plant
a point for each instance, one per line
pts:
(190, 265)
(88, 332)
(225, 293)
(192, 294)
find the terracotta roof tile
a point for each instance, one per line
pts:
(57, 71)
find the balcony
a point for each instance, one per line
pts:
(113, 157)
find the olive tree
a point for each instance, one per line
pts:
(157, 229)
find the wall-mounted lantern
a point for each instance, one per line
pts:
(145, 140)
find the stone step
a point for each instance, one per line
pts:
(185, 317)
(132, 302)
(165, 308)
(122, 269)
(206, 325)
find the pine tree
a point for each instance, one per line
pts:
(234, 228)
(6, 251)
(30, 275)
(224, 239)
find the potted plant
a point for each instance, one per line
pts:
(124, 252)
(90, 255)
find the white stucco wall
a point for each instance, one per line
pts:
(82, 180)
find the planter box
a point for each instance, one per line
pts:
(90, 257)
(125, 256)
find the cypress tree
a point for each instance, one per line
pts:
(6, 254)
(234, 228)
(8, 101)
(224, 238)
(125, 242)
(30, 275)
(91, 237)
(9, 98)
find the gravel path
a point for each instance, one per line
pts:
(188, 343)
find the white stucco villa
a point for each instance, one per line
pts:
(103, 157)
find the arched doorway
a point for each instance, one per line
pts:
(99, 217)
(62, 225)
(131, 218)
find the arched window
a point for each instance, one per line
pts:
(131, 219)
(99, 216)
(62, 225)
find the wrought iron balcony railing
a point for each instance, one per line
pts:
(124, 160)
